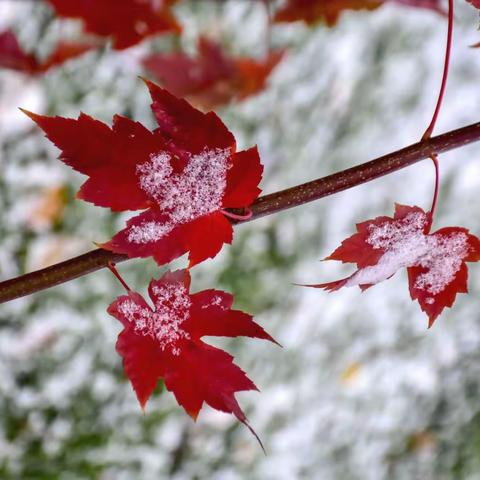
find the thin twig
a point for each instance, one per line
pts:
(446, 64)
(266, 205)
(111, 267)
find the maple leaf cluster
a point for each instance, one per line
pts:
(132, 22)
(183, 175)
(210, 80)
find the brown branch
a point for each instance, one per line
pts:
(266, 205)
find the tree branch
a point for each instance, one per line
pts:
(266, 205)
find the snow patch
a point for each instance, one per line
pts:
(196, 191)
(172, 308)
(405, 245)
(443, 262)
(148, 232)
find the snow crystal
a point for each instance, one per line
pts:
(443, 262)
(215, 302)
(196, 191)
(405, 245)
(392, 234)
(172, 308)
(148, 232)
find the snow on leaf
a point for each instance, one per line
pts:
(184, 173)
(212, 78)
(165, 342)
(126, 22)
(13, 57)
(435, 262)
(329, 11)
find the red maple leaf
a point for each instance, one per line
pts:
(328, 11)
(211, 78)
(13, 57)
(126, 22)
(475, 3)
(185, 173)
(164, 342)
(435, 262)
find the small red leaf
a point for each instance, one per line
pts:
(212, 78)
(435, 261)
(329, 11)
(165, 342)
(13, 57)
(126, 22)
(185, 173)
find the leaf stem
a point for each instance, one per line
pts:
(446, 64)
(111, 267)
(437, 182)
(235, 216)
(266, 205)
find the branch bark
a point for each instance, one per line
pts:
(266, 205)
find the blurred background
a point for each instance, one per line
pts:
(361, 389)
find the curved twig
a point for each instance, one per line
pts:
(266, 205)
